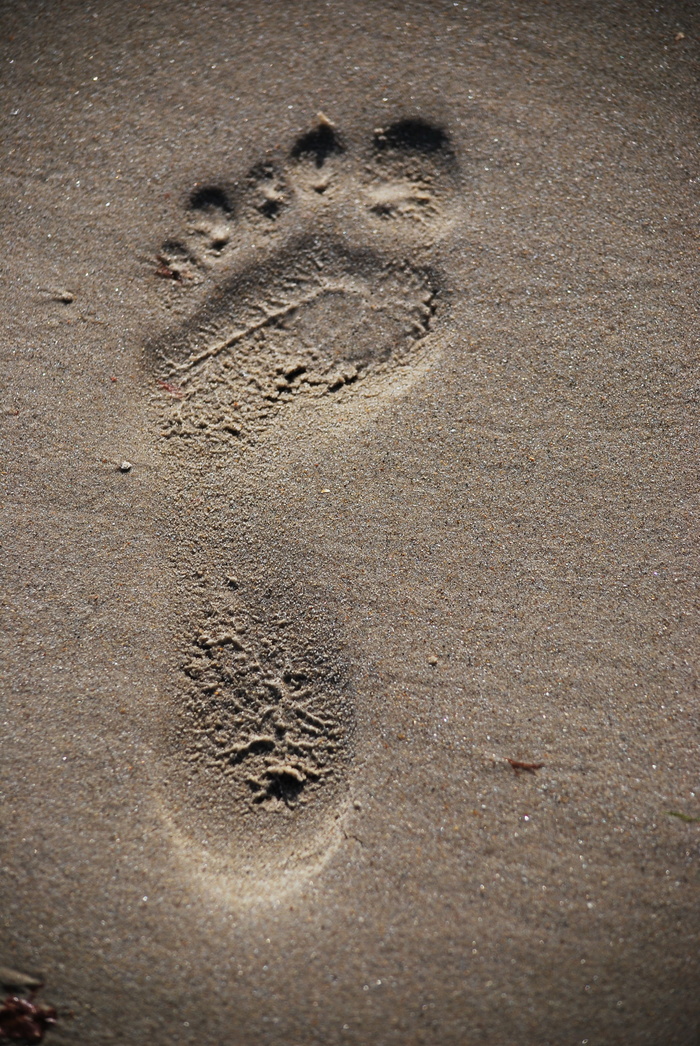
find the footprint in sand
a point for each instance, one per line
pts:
(305, 305)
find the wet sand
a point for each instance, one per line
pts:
(349, 442)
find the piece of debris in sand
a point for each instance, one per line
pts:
(24, 1020)
(530, 768)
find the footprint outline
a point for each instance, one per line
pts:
(245, 290)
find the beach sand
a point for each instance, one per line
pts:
(349, 457)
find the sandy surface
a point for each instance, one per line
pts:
(409, 393)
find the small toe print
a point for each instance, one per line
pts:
(210, 198)
(267, 191)
(318, 144)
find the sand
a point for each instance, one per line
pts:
(349, 452)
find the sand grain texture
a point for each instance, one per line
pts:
(393, 310)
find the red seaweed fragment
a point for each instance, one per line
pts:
(25, 1021)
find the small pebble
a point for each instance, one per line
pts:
(432, 660)
(64, 296)
(125, 466)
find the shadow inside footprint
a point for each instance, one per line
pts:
(318, 144)
(210, 198)
(258, 738)
(413, 135)
(316, 319)
(264, 708)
